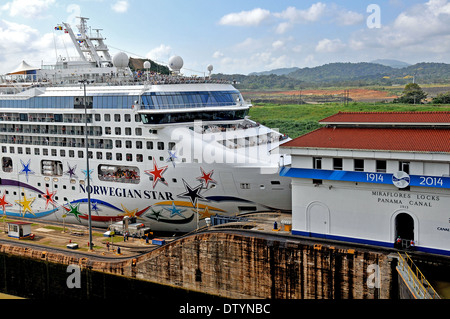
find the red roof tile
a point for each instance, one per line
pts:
(389, 117)
(388, 139)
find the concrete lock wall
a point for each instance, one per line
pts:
(226, 265)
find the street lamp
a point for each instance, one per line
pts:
(88, 173)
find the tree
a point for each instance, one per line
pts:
(412, 94)
(442, 98)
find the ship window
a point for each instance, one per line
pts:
(171, 146)
(78, 102)
(99, 155)
(109, 156)
(71, 153)
(11, 149)
(19, 150)
(275, 182)
(107, 130)
(128, 144)
(97, 117)
(129, 157)
(127, 118)
(128, 131)
(150, 145)
(118, 173)
(107, 117)
(117, 117)
(28, 150)
(358, 165)
(118, 131)
(62, 153)
(45, 151)
(160, 146)
(337, 164)
(118, 156)
(137, 118)
(51, 168)
(36, 151)
(139, 144)
(54, 152)
(118, 143)
(139, 158)
(80, 154)
(7, 164)
(381, 166)
(138, 131)
(245, 186)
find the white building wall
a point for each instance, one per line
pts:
(366, 212)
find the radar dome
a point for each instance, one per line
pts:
(210, 68)
(176, 63)
(147, 65)
(120, 60)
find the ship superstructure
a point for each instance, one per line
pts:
(169, 150)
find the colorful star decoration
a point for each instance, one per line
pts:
(175, 211)
(157, 173)
(206, 177)
(155, 213)
(129, 213)
(49, 198)
(172, 157)
(73, 210)
(26, 204)
(205, 213)
(4, 203)
(86, 175)
(192, 193)
(71, 171)
(26, 169)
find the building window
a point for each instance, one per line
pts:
(317, 162)
(337, 164)
(381, 166)
(358, 165)
(404, 167)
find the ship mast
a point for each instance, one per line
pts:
(90, 49)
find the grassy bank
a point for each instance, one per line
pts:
(296, 120)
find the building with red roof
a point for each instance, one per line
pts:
(374, 177)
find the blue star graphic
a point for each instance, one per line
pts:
(172, 157)
(26, 169)
(175, 211)
(91, 171)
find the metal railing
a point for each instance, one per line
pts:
(420, 286)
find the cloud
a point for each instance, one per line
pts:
(313, 13)
(217, 55)
(120, 6)
(329, 46)
(27, 8)
(246, 18)
(160, 53)
(345, 17)
(277, 44)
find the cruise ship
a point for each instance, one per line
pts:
(86, 140)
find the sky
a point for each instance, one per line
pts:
(233, 36)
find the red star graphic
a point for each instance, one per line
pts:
(49, 198)
(4, 203)
(206, 177)
(157, 173)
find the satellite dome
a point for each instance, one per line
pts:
(176, 63)
(120, 60)
(147, 65)
(210, 68)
